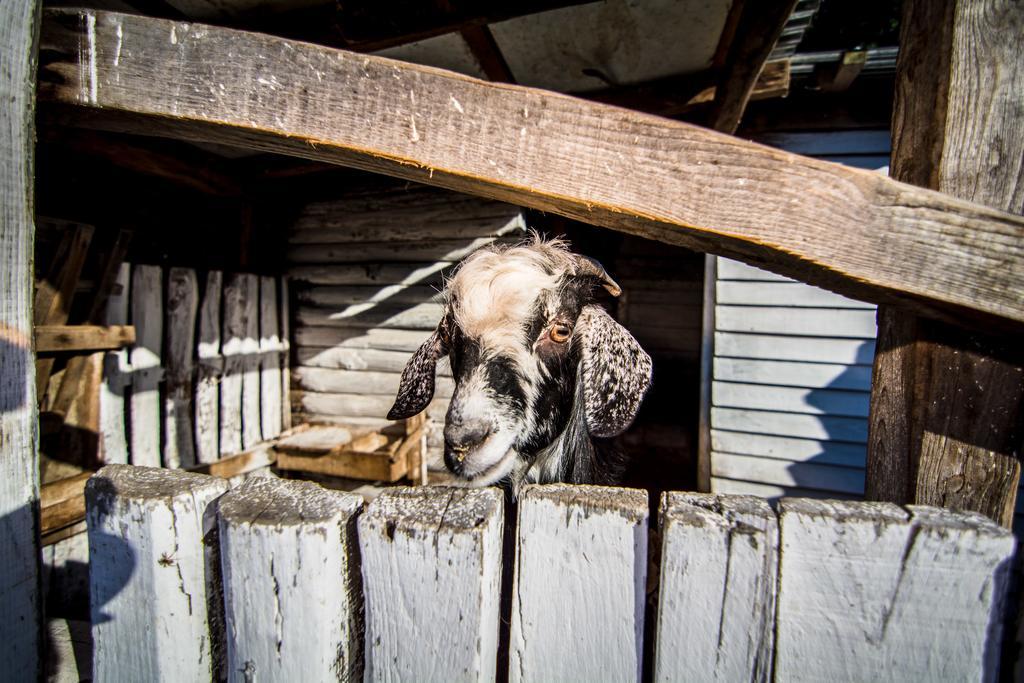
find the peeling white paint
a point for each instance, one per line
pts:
(457, 105)
(90, 28)
(174, 35)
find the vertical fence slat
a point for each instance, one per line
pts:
(431, 577)
(234, 365)
(116, 377)
(286, 404)
(270, 360)
(211, 365)
(147, 316)
(182, 304)
(870, 592)
(251, 362)
(580, 575)
(716, 612)
(291, 582)
(148, 573)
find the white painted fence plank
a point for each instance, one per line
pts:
(578, 598)
(360, 382)
(361, 338)
(823, 427)
(431, 576)
(794, 374)
(784, 448)
(424, 316)
(211, 366)
(806, 349)
(147, 316)
(783, 294)
(716, 612)
(232, 348)
(870, 592)
(113, 446)
(790, 399)
(270, 360)
(341, 358)
(808, 475)
(182, 304)
(729, 269)
(769, 491)
(356, 405)
(291, 582)
(286, 356)
(151, 591)
(813, 322)
(251, 428)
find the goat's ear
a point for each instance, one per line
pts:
(417, 385)
(615, 372)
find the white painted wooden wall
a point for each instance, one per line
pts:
(312, 587)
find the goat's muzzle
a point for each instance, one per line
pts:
(460, 438)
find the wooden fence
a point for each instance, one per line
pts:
(284, 580)
(208, 374)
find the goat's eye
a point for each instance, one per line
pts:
(560, 333)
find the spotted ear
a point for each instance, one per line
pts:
(615, 372)
(417, 385)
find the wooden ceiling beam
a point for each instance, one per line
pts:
(485, 48)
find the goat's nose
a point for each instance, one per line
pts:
(460, 437)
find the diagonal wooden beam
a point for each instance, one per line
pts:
(842, 228)
(485, 48)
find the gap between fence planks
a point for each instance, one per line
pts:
(875, 238)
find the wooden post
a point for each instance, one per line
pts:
(20, 604)
(250, 350)
(147, 316)
(231, 379)
(580, 584)
(211, 366)
(868, 591)
(150, 578)
(716, 612)
(291, 582)
(431, 576)
(182, 303)
(270, 360)
(116, 376)
(946, 403)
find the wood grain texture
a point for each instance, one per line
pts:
(182, 305)
(233, 335)
(360, 382)
(666, 180)
(284, 292)
(113, 446)
(716, 616)
(145, 410)
(291, 582)
(57, 338)
(373, 273)
(152, 599)
(210, 368)
(420, 316)
(869, 591)
(431, 576)
(270, 360)
(571, 622)
(250, 359)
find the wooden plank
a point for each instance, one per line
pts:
(342, 358)
(858, 592)
(420, 250)
(382, 316)
(361, 338)
(357, 405)
(820, 427)
(447, 543)
(231, 380)
(881, 240)
(830, 142)
(716, 611)
(182, 305)
(790, 399)
(706, 359)
(270, 359)
(314, 441)
(63, 338)
(360, 382)
(373, 273)
(145, 413)
(794, 294)
(735, 487)
(569, 624)
(211, 365)
(812, 322)
(794, 374)
(286, 326)
(381, 467)
(291, 581)
(388, 294)
(232, 466)
(729, 269)
(250, 359)
(781, 347)
(786, 448)
(947, 404)
(148, 561)
(808, 475)
(113, 445)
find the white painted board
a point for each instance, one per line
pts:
(182, 305)
(805, 349)
(232, 348)
(251, 415)
(790, 399)
(147, 316)
(811, 322)
(211, 366)
(116, 378)
(270, 360)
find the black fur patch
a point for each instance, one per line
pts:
(417, 385)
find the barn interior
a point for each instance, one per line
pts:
(323, 279)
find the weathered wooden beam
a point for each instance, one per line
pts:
(946, 403)
(841, 228)
(20, 599)
(64, 338)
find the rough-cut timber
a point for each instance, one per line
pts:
(58, 338)
(872, 237)
(147, 316)
(870, 592)
(291, 582)
(20, 630)
(572, 620)
(211, 365)
(152, 597)
(719, 562)
(182, 303)
(431, 576)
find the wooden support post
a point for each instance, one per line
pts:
(234, 365)
(182, 303)
(439, 549)
(113, 448)
(569, 624)
(20, 602)
(151, 579)
(719, 562)
(250, 350)
(291, 582)
(946, 404)
(270, 359)
(147, 316)
(868, 591)
(211, 366)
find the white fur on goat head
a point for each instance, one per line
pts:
(542, 374)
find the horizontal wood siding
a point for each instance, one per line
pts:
(366, 269)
